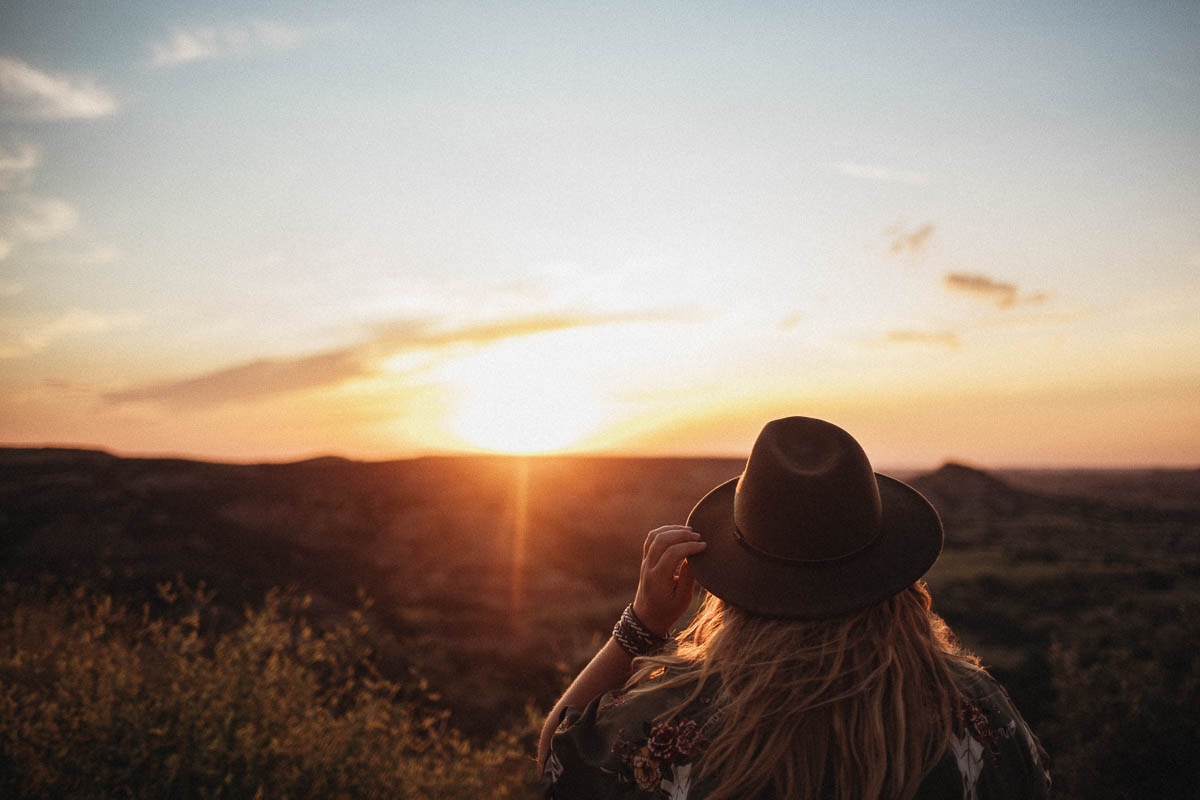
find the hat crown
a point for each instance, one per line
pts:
(808, 493)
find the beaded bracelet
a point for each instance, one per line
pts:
(634, 637)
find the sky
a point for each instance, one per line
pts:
(264, 231)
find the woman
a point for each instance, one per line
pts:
(814, 667)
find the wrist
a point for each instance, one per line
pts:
(634, 636)
(650, 621)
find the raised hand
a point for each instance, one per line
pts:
(665, 583)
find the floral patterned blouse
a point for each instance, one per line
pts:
(614, 749)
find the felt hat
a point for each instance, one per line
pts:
(809, 530)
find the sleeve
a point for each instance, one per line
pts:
(1020, 771)
(582, 764)
(623, 746)
(1020, 766)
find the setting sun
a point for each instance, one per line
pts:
(529, 395)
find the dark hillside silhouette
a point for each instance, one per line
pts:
(979, 508)
(497, 577)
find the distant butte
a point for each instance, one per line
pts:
(961, 479)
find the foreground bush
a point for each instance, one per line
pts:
(1127, 721)
(96, 701)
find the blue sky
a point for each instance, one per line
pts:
(333, 227)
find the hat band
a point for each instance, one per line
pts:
(737, 534)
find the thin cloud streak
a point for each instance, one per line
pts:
(201, 43)
(886, 174)
(247, 381)
(17, 165)
(27, 92)
(32, 338)
(406, 334)
(37, 219)
(790, 322)
(24, 219)
(1000, 293)
(912, 243)
(330, 368)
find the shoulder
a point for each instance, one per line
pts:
(993, 749)
(621, 746)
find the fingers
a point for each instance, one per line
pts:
(666, 583)
(652, 535)
(674, 556)
(661, 539)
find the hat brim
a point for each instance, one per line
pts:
(909, 542)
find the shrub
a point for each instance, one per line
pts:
(98, 701)
(1127, 719)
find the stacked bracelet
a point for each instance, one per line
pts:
(634, 637)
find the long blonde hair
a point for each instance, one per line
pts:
(863, 705)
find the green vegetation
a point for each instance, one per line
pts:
(96, 701)
(1101, 664)
(497, 579)
(100, 701)
(1127, 706)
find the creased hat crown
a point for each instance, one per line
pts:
(808, 493)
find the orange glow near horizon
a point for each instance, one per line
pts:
(526, 396)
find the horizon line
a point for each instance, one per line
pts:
(595, 454)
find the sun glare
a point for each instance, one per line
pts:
(529, 395)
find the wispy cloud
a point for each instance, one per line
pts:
(912, 242)
(27, 92)
(250, 380)
(405, 334)
(332, 367)
(999, 293)
(24, 218)
(69, 388)
(934, 338)
(27, 218)
(791, 321)
(16, 165)
(37, 219)
(204, 43)
(875, 172)
(30, 337)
